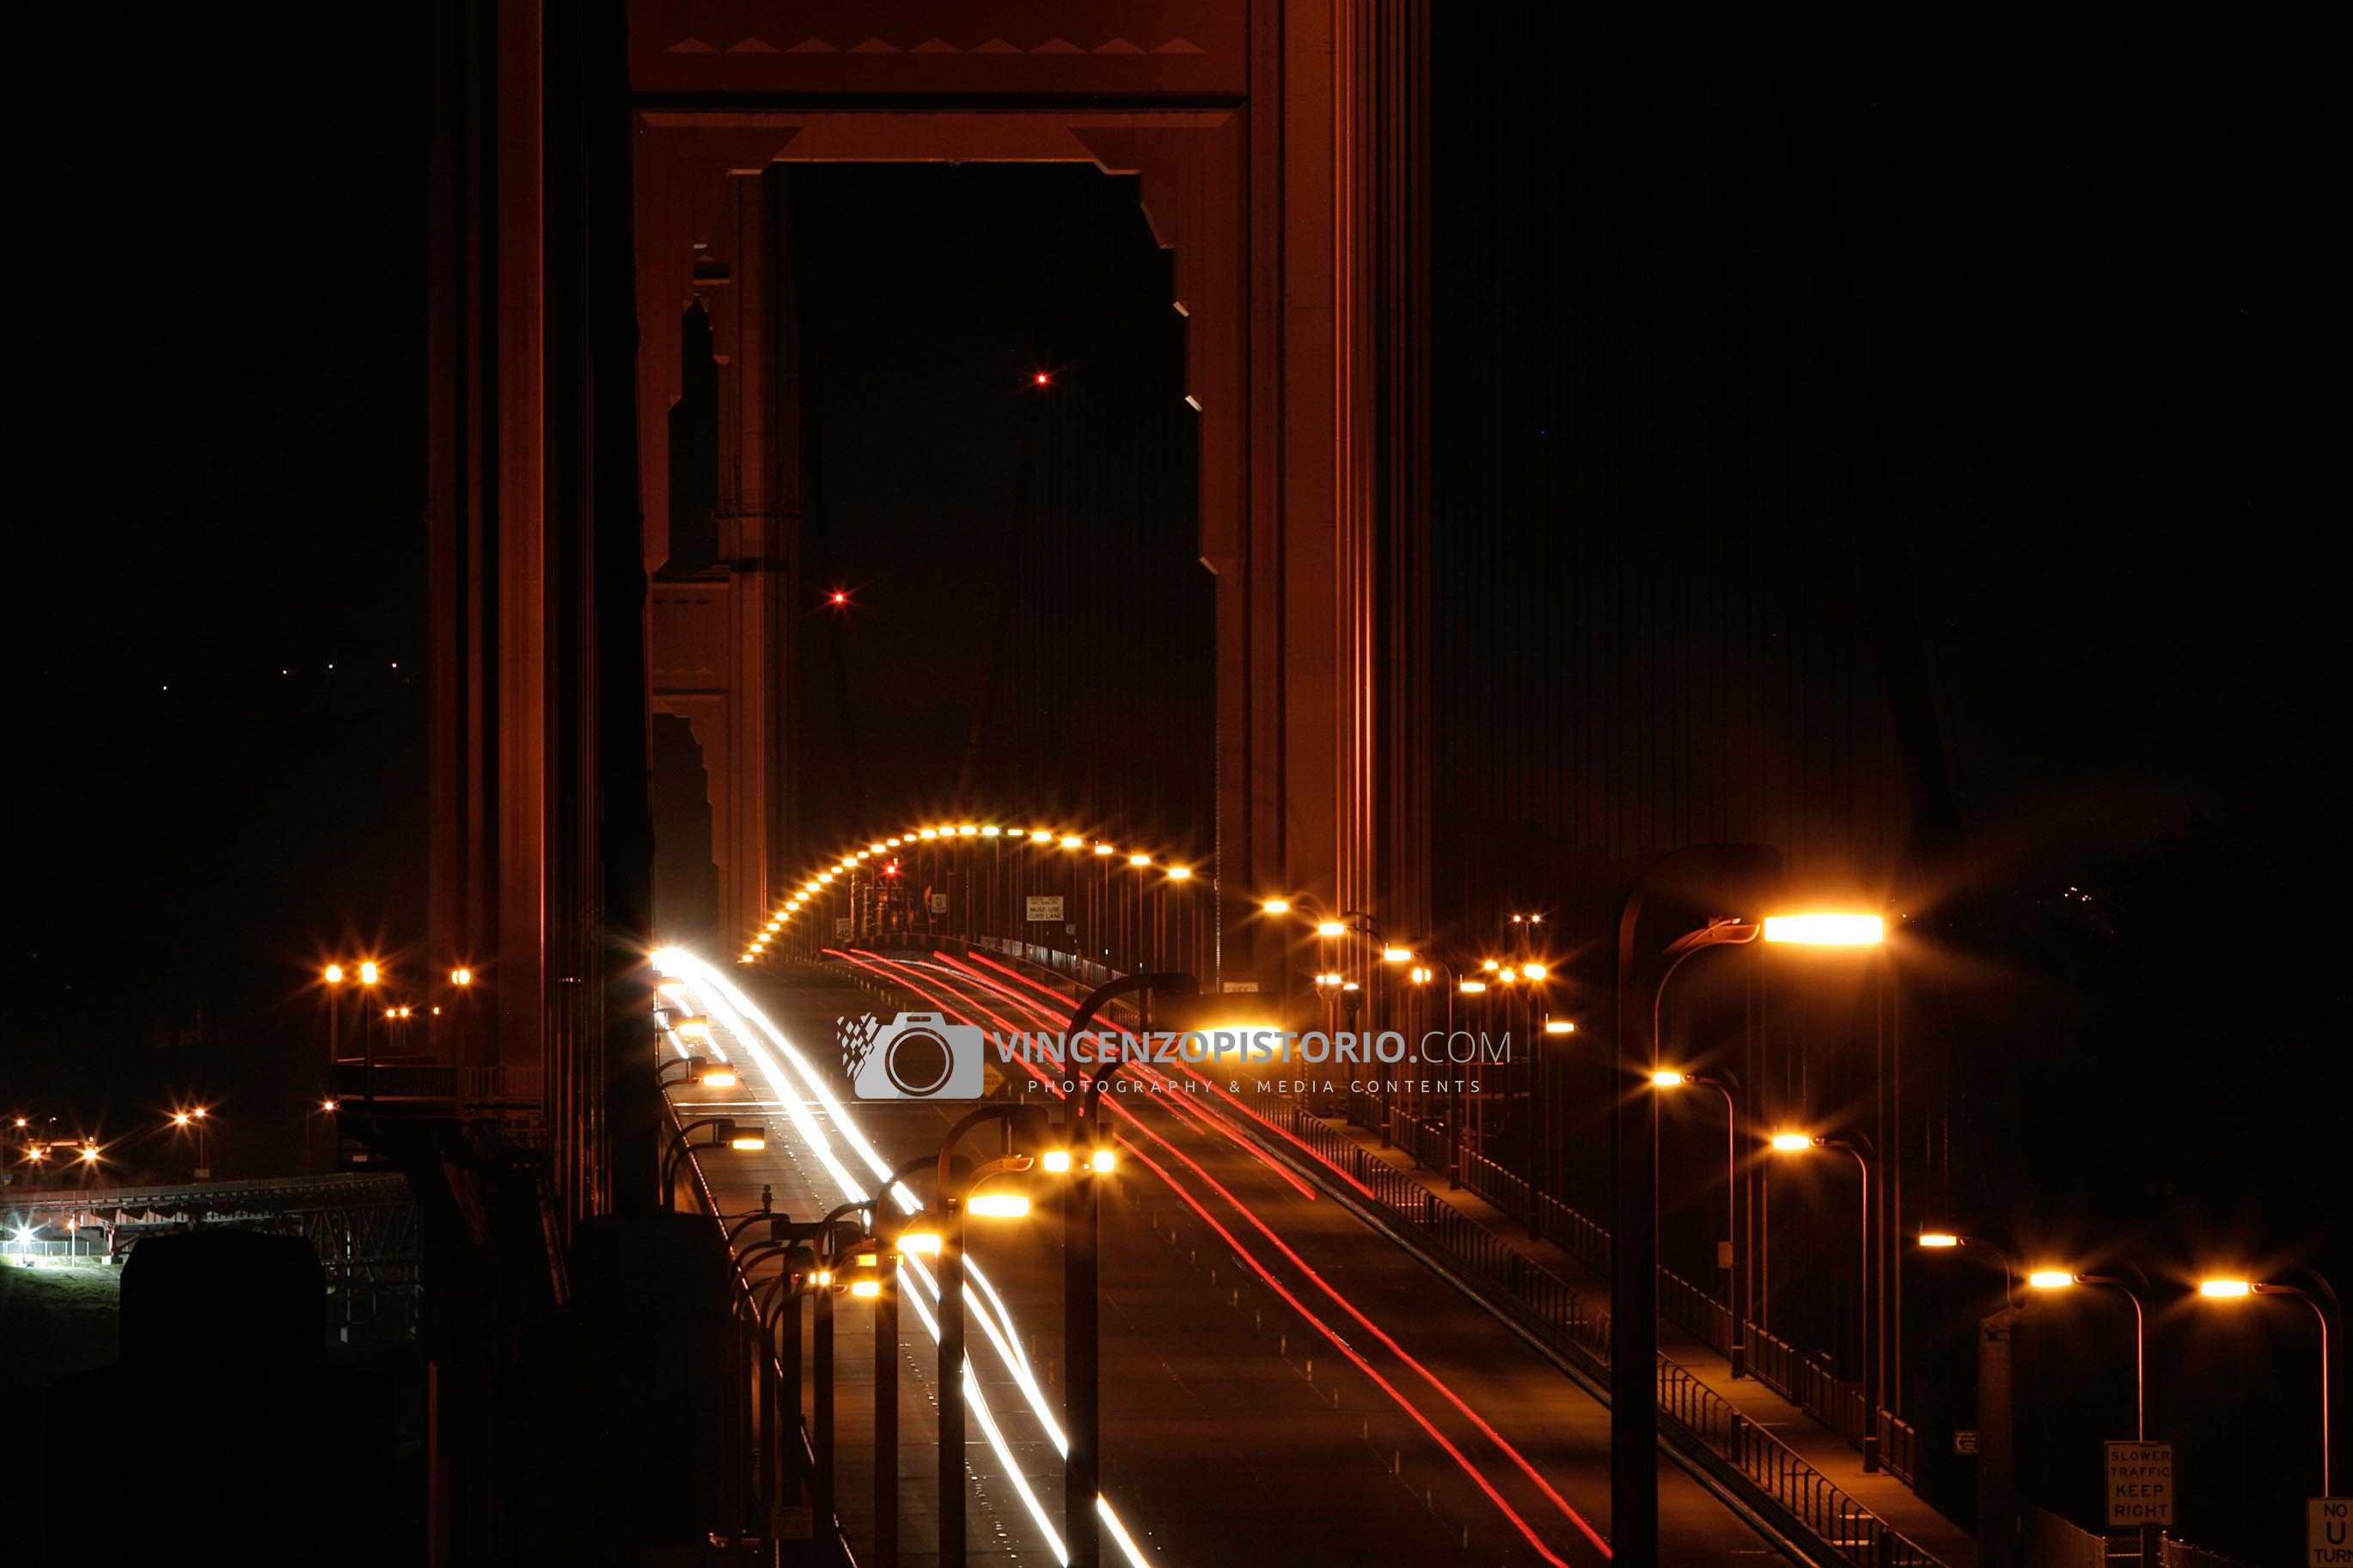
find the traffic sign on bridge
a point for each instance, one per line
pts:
(2140, 1484)
(2329, 1532)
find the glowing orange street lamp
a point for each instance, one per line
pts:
(1951, 1241)
(2329, 1315)
(1826, 929)
(2065, 1279)
(1729, 1252)
(1859, 1147)
(1634, 1132)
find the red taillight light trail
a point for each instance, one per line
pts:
(1180, 1104)
(1284, 1132)
(879, 965)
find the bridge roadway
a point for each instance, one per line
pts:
(1281, 1382)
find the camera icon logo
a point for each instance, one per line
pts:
(915, 1056)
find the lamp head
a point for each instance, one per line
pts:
(1826, 929)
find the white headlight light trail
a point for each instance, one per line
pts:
(737, 1012)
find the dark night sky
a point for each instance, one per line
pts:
(2101, 248)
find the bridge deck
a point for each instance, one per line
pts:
(1272, 1366)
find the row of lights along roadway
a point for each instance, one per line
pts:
(1634, 1483)
(834, 877)
(2322, 1301)
(1813, 929)
(1819, 930)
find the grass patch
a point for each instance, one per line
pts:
(56, 1322)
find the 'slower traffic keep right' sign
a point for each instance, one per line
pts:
(2140, 1484)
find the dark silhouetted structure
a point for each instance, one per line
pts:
(223, 1436)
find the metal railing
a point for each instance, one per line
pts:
(768, 1480)
(1578, 1326)
(2052, 1543)
(1810, 1383)
(2181, 1554)
(2055, 1543)
(1813, 1387)
(1695, 1311)
(1899, 1448)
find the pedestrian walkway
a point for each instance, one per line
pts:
(1825, 1450)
